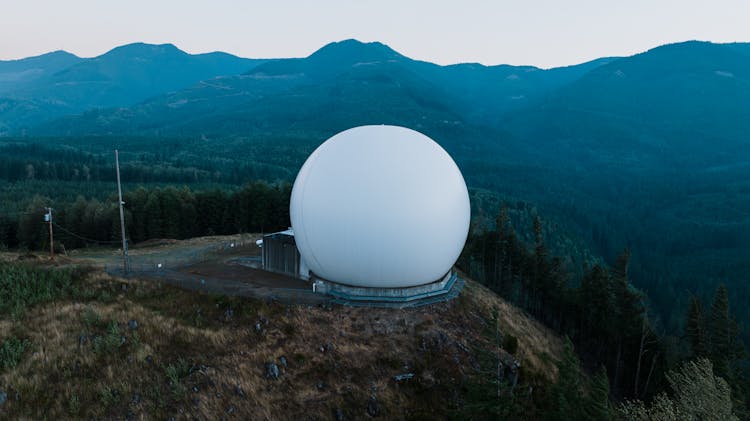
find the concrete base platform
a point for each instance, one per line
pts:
(442, 290)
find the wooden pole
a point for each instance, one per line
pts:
(125, 263)
(51, 235)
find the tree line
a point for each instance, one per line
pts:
(20, 162)
(168, 212)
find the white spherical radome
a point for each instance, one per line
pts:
(380, 206)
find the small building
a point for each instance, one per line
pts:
(280, 254)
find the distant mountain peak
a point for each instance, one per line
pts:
(684, 45)
(143, 49)
(698, 50)
(57, 54)
(331, 60)
(352, 48)
(688, 56)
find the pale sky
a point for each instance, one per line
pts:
(543, 33)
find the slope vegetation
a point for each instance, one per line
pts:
(114, 348)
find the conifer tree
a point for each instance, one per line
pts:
(502, 222)
(598, 406)
(507, 253)
(629, 318)
(726, 348)
(171, 212)
(620, 269)
(153, 215)
(74, 220)
(4, 232)
(695, 329)
(539, 248)
(31, 229)
(567, 390)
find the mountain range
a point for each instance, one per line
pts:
(650, 99)
(154, 87)
(41, 88)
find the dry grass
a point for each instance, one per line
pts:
(538, 346)
(199, 356)
(41, 259)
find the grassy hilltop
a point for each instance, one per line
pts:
(77, 343)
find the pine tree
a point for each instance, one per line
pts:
(695, 329)
(502, 221)
(726, 347)
(171, 212)
(567, 390)
(74, 221)
(596, 300)
(620, 269)
(539, 248)
(598, 406)
(4, 232)
(32, 232)
(153, 215)
(135, 202)
(540, 276)
(629, 323)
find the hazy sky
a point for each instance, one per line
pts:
(539, 32)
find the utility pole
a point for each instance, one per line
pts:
(125, 262)
(48, 218)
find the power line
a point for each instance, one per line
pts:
(67, 231)
(60, 227)
(19, 213)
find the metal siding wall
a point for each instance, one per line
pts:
(280, 254)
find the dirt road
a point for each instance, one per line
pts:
(216, 265)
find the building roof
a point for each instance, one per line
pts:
(289, 232)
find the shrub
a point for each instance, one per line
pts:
(175, 373)
(91, 318)
(698, 394)
(22, 286)
(11, 351)
(110, 341)
(108, 396)
(510, 344)
(74, 405)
